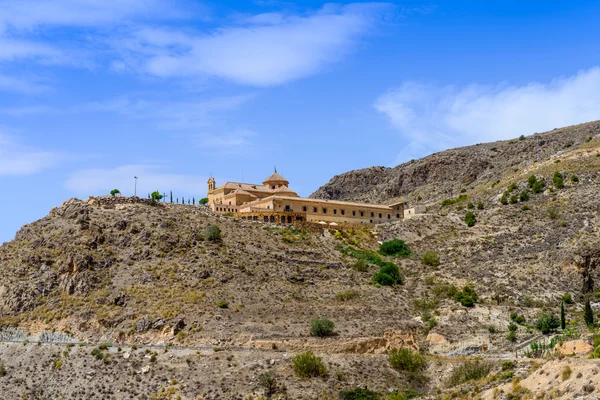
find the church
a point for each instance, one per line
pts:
(275, 202)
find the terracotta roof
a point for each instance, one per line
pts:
(249, 187)
(275, 178)
(285, 191)
(242, 192)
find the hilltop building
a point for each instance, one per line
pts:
(274, 201)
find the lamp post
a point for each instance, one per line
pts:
(135, 187)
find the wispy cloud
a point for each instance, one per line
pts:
(260, 50)
(433, 118)
(13, 84)
(99, 181)
(19, 159)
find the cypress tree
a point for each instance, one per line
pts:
(588, 315)
(193, 201)
(563, 323)
(171, 197)
(178, 200)
(182, 200)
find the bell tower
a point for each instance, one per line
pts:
(211, 184)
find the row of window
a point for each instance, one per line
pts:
(225, 209)
(342, 212)
(271, 218)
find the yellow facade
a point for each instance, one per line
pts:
(276, 198)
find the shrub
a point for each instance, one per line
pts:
(223, 304)
(470, 206)
(268, 381)
(213, 233)
(430, 258)
(574, 178)
(567, 299)
(519, 319)
(321, 327)
(513, 186)
(395, 247)
(557, 179)
(531, 181)
(404, 395)
(467, 297)
(469, 371)
(115, 192)
(480, 205)
(504, 199)
(566, 373)
(547, 323)
(203, 201)
(58, 364)
(538, 186)
(98, 354)
(307, 365)
(360, 266)
(347, 295)
(514, 199)
(553, 212)
(388, 275)
(524, 196)
(406, 360)
(470, 219)
(459, 199)
(508, 365)
(359, 394)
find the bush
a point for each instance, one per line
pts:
(203, 201)
(470, 219)
(557, 179)
(588, 314)
(223, 304)
(268, 381)
(156, 196)
(307, 365)
(519, 319)
(213, 233)
(574, 178)
(531, 181)
(321, 327)
(547, 323)
(359, 394)
(504, 199)
(538, 187)
(514, 199)
(430, 258)
(405, 395)
(470, 206)
(115, 192)
(524, 196)
(388, 275)
(567, 299)
(480, 205)
(347, 295)
(360, 266)
(459, 199)
(467, 297)
(406, 360)
(469, 371)
(395, 247)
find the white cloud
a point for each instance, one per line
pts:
(266, 49)
(433, 118)
(30, 14)
(18, 159)
(100, 181)
(9, 83)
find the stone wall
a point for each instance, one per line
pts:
(113, 201)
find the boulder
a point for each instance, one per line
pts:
(578, 346)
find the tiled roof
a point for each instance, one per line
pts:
(275, 178)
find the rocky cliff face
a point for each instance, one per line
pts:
(448, 172)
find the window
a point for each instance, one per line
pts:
(229, 203)
(314, 209)
(272, 219)
(335, 211)
(380, 216)
(362, 213)
(287, 208)
(304, 208)
(389, 216)
(268, 207)
(353, 213)
(266, 219)
(343, 212)
(273, 187)
(372, 214)
(283, 219)
(324, 211)
(289, 219)
(256, 218)
(397, 215)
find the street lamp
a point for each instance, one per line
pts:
(135, 187)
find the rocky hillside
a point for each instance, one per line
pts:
(130, 299)
(448, 172)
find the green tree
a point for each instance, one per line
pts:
(547, 323)
(193, 200)
(563, 322)
(557, 179)
(268, 381)
(531, 181)
(171, 195)
(538, 187)
(156, 196)
(524, 196)
(182, 200)
(588, 314)
(395, 247)
(470, 219)
(115, 192)
(203, 201)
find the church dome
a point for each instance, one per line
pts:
(275, 180)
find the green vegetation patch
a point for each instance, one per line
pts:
(308, 365)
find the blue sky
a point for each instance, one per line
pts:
(94, 92)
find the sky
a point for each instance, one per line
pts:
(93, 93)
